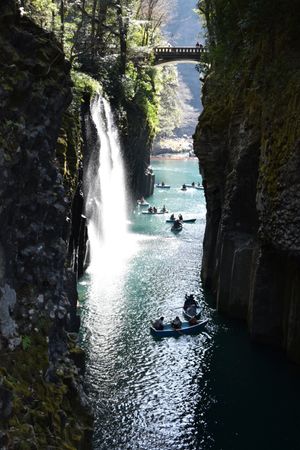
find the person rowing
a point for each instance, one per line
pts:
(189, 301)
(177, 224)
(191, 310)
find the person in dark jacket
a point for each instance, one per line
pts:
(159, 324)
(189, 301)
(176, 323)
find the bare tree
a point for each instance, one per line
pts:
(155, 14)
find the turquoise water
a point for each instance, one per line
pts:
(214, 391)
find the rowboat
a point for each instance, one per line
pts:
(183, 220)
(200, 188)
(176, 229)
(153, 213)
(163, 186)
(186, 328)
(143, 204)
(188, 317)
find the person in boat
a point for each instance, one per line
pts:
(162, 183)
(172, 217)
(199, 183)
(164, 209)
(193, 184)
(154, 210)
(180, 217)
(189, 301)
(183, 186)
(158, 324)
(191, 310)
(177, 223)
(150, 209)
(193, 321)
(142, 200)
(176, 323)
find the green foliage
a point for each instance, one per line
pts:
(110, 42)
(140, 89)
(169, 111)
(26, 342)
(130, 81)
(41, 11)
(83, 83)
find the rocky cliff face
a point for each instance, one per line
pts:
(247, 141)
(41, 399)
(137, 146)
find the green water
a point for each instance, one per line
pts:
(214, 391)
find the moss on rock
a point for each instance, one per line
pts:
(43, 413)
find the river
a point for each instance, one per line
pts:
(213, 391)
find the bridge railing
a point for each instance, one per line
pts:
(179, 50)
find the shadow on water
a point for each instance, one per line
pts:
(249, 394)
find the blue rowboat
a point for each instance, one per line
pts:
(163, 186)
(183, 221)
(186, 328)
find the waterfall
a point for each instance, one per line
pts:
(105, 192)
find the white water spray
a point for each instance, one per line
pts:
(105, 187)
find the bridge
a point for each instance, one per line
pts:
(180, 54)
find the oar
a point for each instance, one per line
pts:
(178, 331)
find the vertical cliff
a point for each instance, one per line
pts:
(42, 404)
(247, 141)
(137, 147)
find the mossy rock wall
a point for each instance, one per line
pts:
(42, 404)
(247, 141)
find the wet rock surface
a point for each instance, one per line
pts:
(37, 295)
